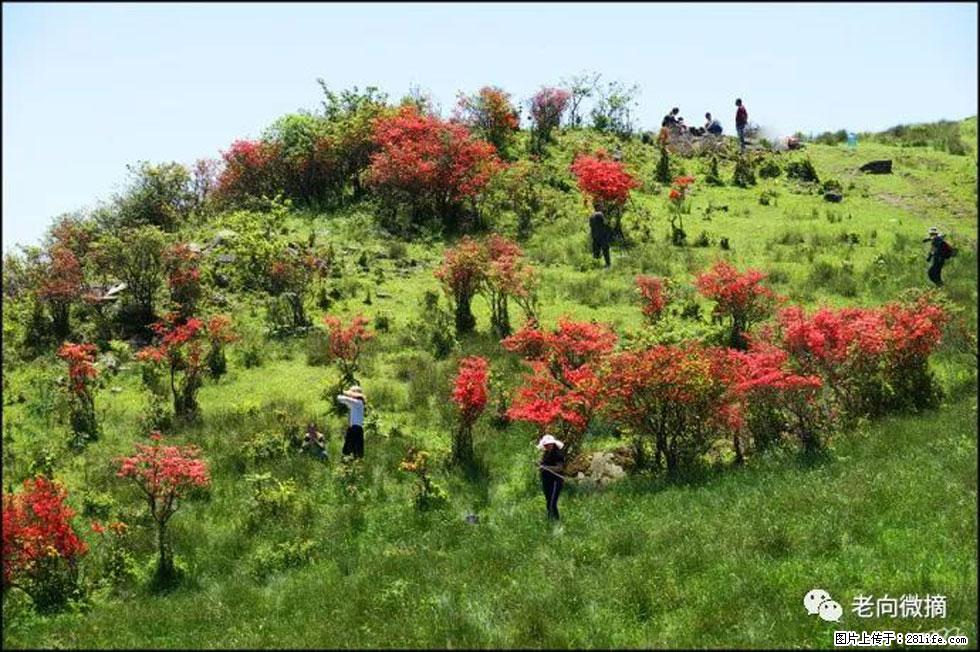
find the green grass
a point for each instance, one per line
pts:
(720, 560)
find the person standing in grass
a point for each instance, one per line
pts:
(552, 465)
(741, 119)
(353, 398)
(600, 236)
(939, 252)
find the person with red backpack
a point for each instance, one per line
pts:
(939, 253)
(741, 119)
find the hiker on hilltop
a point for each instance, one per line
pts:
(712, 126)
(670, 120)
(552, 465)
(939, 252)
(741, 119)
(353, 398)
(601, 235)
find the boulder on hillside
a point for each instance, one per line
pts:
(877, 167)
(834, 197)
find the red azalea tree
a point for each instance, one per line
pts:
(41, 549)
(490, 114)
(462, 273)
(346, 344)
(676, 397)
(565, 388)
(508, 276)
(251, 167)
(82, 373)
(181, 350)
(547, 107)
(655, 294)
(740, 298)
(776, 398)
(61, 287)
(606, 183)
(220, 334)
(426, 166)
(183, 278)
(470, 391)
(165, 475)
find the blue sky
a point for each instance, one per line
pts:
(90, 88)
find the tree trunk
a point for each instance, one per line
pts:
(465, 321)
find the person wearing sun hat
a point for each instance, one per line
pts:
(353, 398)
(552, 464)
(939, 252)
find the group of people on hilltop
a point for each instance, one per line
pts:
(673, 123)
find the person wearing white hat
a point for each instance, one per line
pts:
(353, 398)
(552, 464)
(939, 253)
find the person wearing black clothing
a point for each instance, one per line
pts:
(600, 236)
(670, 120)
(552, 464)
(938, 254)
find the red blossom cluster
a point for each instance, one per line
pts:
(470, 388)
(564, 390)
(181, 347)
(81, 365)
(655, 295)
(428, 162)
(37, 527)
(63, 278)
(678, 190)
(347, 343)
(183, 277)
(250, 169)
(547, 107)
(739, 297)
(490, 114)
(603, 180)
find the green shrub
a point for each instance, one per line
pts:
(743, 176)
(271, 558)
(265, 446)
(769, 169)
(802, 170)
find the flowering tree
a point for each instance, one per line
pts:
(61, 287)
(462, 273)
(165, 475)
(654, 292)
(40, 547)
(251, 167)
(183, 278)
(564, 389)
(679, 205)
(740, 298)
(346, 344)
(774, 398)
(508, 275)
(606, 183)
(674, 396)
(220, 334)
(181, 350)
(470, 396)
(490, 114)
(427, 166)
(547, 107)
(290, 275)
(81, 391)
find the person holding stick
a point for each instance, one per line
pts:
(552, 464)
(353, 398)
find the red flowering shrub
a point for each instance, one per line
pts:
(345, 344)
(564, 390)
(547, 107)
(41, 550)
(181, 350)
(252, 167)
(604, 181)
(775, 398)
(220, 333)
(426, 166)
(81, 391)
(872, 359)
(490, 115)
(290, 276)
(183, 278)
(508, 275)
(673, 396)
(60, 287)
(739, 298)
(165, 475)
(462, 273)
(655, 294)
(470, 391)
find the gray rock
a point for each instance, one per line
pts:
(877, 167)
(834, 197)
(472, 519)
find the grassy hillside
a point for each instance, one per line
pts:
(720, 559)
